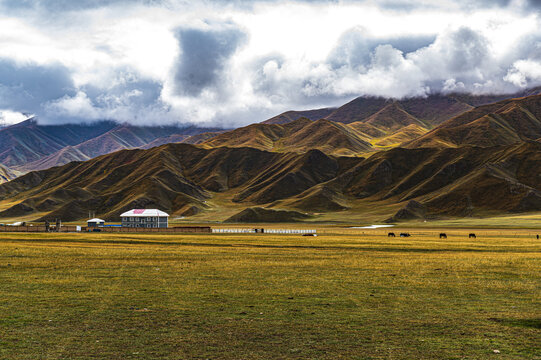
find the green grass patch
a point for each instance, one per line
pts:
(339, 295)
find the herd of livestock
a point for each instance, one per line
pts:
(442, 235)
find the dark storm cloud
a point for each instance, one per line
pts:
(528, 47)
(534, 4)
(204, 54)
(465, 50)
(531, 4)
(468, 5)
(25, 88)
(55, 6)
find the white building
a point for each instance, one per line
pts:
(95, 222)
(145, 218)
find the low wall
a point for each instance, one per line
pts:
(73, 228)
(181, 229)
(265, 231)
(37, 228)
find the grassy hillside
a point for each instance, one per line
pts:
(400, 136)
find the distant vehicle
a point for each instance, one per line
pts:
(309, 234)
(18, 223)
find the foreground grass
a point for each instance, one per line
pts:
(340, 295)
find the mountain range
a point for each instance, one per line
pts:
(391, 159)
(185, 179)
(28, 145)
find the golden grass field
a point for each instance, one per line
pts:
(346, 294)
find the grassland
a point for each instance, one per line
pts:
(350, 294)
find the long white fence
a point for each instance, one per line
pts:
(265, 231)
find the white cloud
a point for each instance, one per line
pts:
(78, 106)
(524, 73)
(8, 117)
(219, 62)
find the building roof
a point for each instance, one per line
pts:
(144, 213)
(96, 220)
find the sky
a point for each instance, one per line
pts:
(231, 63)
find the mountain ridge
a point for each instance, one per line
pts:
(185, 179)
(32, 146)
(501, 123)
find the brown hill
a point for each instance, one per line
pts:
(29, 145)
(505, 122)
(297, 136)
(61, 157)
(319, 198)
(201, 138)
(367, 129)
(185, 179)
(401, 136)
(393, 117)
(290, 175)
(293, 115)
(175, 138)
(107, 185)
(262, 215)
(450, 181)
(390, 127)
(428, 111)
(29, 141)
(371, 120)
(327, 136)
(431, 110)
(170, 177)
(118, 138)
(412, 210)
